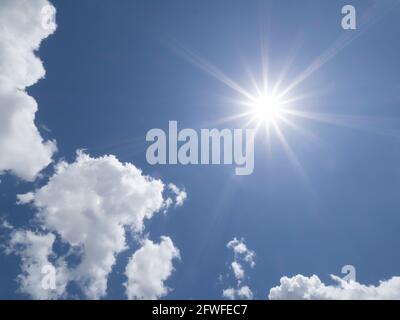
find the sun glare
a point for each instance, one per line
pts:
(271, 108)
(267, 108)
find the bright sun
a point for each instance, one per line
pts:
(267, 109)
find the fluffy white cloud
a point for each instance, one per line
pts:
(237, 270)
(91, 203)
(180, 195)
(35, 250)
(176, 196)
(149, 268)
(242, 256)
(241, 293)
(23, 150)
(229, 293)
(241, 251)
(244, 293)
(312, 288)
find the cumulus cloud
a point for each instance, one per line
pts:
(243, 292)
(149, 268)
(300, 287)
(242, 256)
(23, 150)
(35, 250)
(229, 293)
(175, 196)
(180, 195)
(91, 204)
(241, 251)
(237, 270)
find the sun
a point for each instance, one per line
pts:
(266, 108)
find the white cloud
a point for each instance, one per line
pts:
(149, 268)
(229, 293)
(91, 203)
(35, 250)
(5, 224)
(312, 288)
(180, 195)
(237, 270)
(25, 198)
(241, 293)
(242, 256)
(176, 196)
(245, 293)
(23, 150)
(241, 251)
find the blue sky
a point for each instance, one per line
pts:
(114, 71)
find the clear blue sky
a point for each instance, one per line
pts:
(113, 74)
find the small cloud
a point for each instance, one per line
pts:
(240, 249)
(180, 194)
(242, 256)
(45, 128)
(25, 198)
(241, 293)
(6, 225)
(237, 270)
